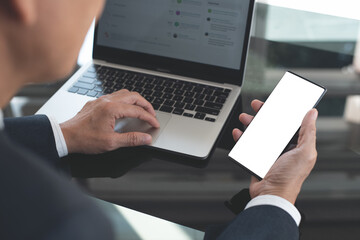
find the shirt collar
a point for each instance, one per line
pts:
(1, 120)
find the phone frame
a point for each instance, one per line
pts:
(322, 95)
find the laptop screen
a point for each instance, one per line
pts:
(194, 38)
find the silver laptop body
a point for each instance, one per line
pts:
(213, 40)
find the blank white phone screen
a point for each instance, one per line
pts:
(276, 123)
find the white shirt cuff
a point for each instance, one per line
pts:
(277, 202)
(59, 137)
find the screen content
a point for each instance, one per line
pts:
(276, 123)
(207, 32)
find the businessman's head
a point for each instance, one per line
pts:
(40, 39)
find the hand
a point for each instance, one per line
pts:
(288, 173)
(91, 131)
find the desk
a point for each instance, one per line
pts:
(192, 194)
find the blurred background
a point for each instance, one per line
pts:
(319, 40)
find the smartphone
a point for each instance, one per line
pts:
(275, 124)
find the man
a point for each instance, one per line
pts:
(39, 41)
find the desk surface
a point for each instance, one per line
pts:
(193, 194)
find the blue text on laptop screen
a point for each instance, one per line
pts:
(207, 32)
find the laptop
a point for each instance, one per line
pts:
(186, 57)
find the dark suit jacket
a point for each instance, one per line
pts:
(38, 202)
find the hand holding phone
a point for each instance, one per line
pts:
(276, 123)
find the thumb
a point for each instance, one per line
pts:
(131, 139)
(307, 135)
(254, 180)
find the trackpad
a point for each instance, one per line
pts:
(136, 125)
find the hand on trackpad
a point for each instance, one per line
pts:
(136, 125)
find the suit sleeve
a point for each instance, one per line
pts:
(261, 222)
(35, 133)
(39, 203)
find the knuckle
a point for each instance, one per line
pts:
(124, 90)
(132, 139)
(110, 144)
(108, 106)
(136, 94)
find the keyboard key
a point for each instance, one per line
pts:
(108, 90)
(167, 84)
(73, 89)
(179, 105)
(158, 81)
(82, 91)
(177, 85)
(92, 93)
(86, 80)
(138, 84)
(178, 98)
(220, 94)
(130, 83)
(188, 115)
(166, 109)
(90, 74)
(147, 92)
(200, 116)
(84, 85)
(169, 90)
(190, 107)
(198, 90)
(207, 110)
(199, 96)
(159, 88)
(130, 88)
(213, 105)
(100, 94)
(91, 69)
(156, 106)
(169, 102)
(149, 98)
(188, 100)
(210, 98)
(149, 86)
(227, 90)
(179, 92)
(168, 96)
(157, 94)
(208, 91)
(199, 102)
(117, 87)
(187, 88)
(138, 89)
(189, 94)
(111, 79)
(158, 100)
(108, 84)
(220, 100)
(178, 111)
(210, 119)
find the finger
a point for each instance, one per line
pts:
(236, 133)
(307, 135)
(135, 98)
(132, 139)
(256, 105)
(132, 111)
(246, 119)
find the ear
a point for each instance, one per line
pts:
(25, 10)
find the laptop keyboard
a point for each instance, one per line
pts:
(178, 97)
